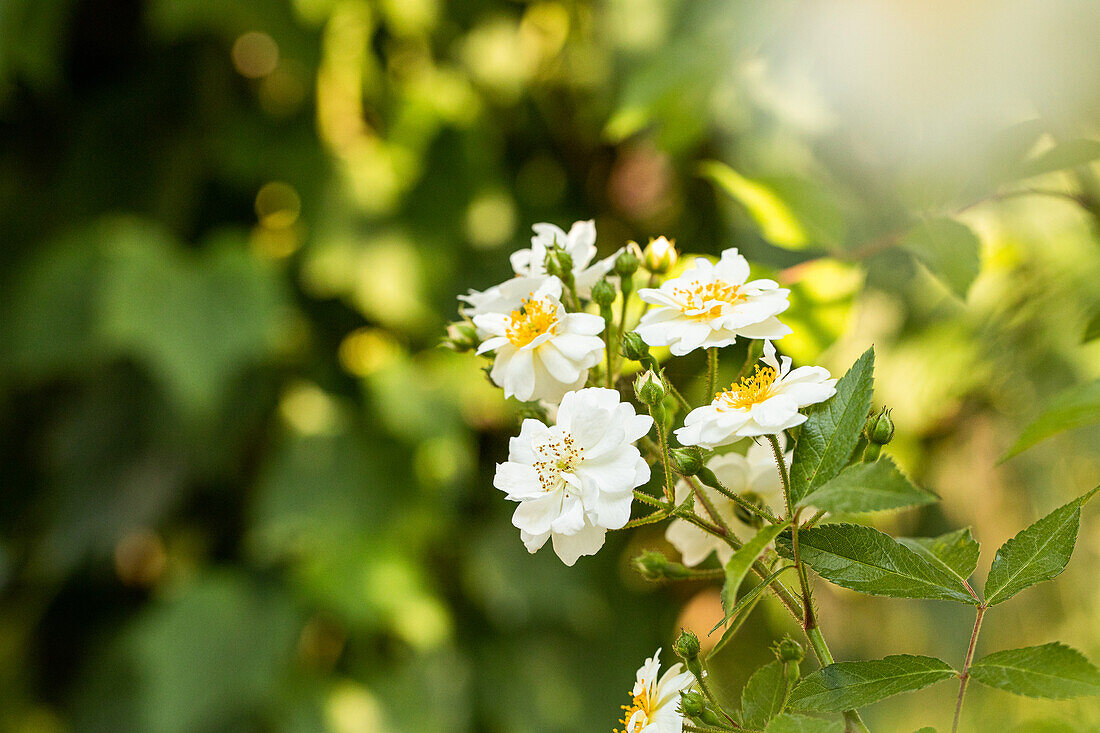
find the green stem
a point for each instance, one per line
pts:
(649, 499)
(712, 373)
(712, 510)
(707, 477)
(964, 676)
(662, 439)
(653, 518)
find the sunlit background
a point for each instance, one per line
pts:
(242, 489)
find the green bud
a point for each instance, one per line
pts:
(559, 263)
(633, 347)
(649, 389)
(686, 646)
(753, 520)
(603, 293)
(626, 264)
(693, 704)
(687, 461)
(651, 565)
(660, 255)
(788, 650)
(880, 428)
(461, 337)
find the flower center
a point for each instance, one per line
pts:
(557, 455)
(639, 703)
(749, 391)
(705, 300)
(531, 320)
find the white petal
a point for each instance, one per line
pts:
(586, 542)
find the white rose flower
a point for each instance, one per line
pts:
(765, 403)
(655, 704)
(579, 243)
(711, 305)
(503, 298)
(753, 472)
(542, 352)
(575, 480)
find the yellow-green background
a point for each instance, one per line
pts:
(240, 488)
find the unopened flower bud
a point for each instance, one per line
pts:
(686, 646)
(626, 264)
(693, 704)
(788, 650)
(651, 564)
(461, 336)
(687, 461)
(649, 389)
(633, 347)
(603, 293)
(660, 255)
(559, 263)
(880, 428)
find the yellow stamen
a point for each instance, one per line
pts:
(716, 294)
(749, 391)
(531, 320)
(639, 702)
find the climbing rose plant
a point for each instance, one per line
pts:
(565, 335)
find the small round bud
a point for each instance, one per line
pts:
(652, 565)
(649, 389)
(687, 645)
(687, 461)
(693, 704)
(603, 293)
(633, 347)
(559, 263)
(660, 255)
(753, 520)
(461, 336)
(626, 264)
(788, 650)
(880, 428)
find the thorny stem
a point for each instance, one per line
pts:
(696, 729)
(647, 499)
(712, 510)
(809, 620)
(712, 372)
(705, 525)
(665, 462)
(744, 503)
(964, 676)
(653, 518)
(813, 520)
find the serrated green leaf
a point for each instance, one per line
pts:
(850, 685)
(1066, 154)
(866, 560)
(764, 695)
(738, 566)
(826, 439)
(1053, 671)
(787, 723)
(950, 250)
(957, 551)
(868, 487)
(1074, 408)
(778, 224)
(1036, 554)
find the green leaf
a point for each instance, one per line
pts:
(826, 439)
(849, 685)
(950, 250)
(957, 551)
(1053, 671)
(1076, 407)
(744, 605)
(866, 560)
(868, 487)
(1067, 154)
(927, 729)
(764, 695)
(1037, 553)
(778, 224)
(738, 566)
(1092, 329)
(787, 723)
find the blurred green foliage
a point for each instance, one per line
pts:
(240, 488)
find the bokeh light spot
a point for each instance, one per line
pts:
(140, 558)
(490, 220)
(367, 350)
(255, 54)
(278, 205)
(307, 409)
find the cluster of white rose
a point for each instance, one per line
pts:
(552, 338)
